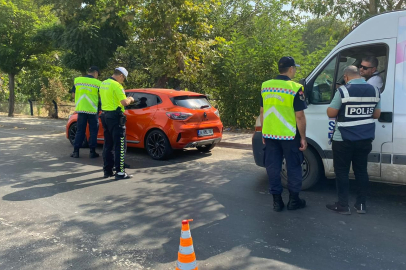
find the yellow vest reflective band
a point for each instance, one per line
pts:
(87, 95)
(111, 93)
(279, 114)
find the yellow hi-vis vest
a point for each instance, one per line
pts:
(87, 95)
(279, 114)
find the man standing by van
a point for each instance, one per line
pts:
(284, 133)
(369, 70)
(355, 106)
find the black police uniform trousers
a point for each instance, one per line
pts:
(345, 152)
(83, 120)
(114, 141)
(275, 151)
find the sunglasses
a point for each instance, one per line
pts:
(364, 67)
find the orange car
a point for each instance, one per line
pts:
(161, 120)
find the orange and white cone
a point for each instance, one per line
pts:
(186, 254)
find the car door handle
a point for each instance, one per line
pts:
(386, 117)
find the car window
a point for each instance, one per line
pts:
(142, 100)
(197, 102)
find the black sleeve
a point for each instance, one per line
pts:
(261, 102)
(299, 103)
(73, 90)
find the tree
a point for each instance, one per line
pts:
(90, 31)
(318, 31)
(21, 22)
(355, 10)
(173, 39)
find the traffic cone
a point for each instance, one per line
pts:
(186, 254)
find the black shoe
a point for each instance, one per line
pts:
(75, 154)
(295, 202)
(123, 176)
(108, 174)
(93, 154)
(361, 208)
(336, 207)
(278, 204)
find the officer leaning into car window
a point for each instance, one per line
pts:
(355, 105)
(284, 133)
(86, 94)
(113, 101)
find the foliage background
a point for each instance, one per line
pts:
(222, 48)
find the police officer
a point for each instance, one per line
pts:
(113, 101)
(284, 133)
(86, 94)
(355, 105)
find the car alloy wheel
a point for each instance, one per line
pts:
(157, 145)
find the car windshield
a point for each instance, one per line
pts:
(198, 102)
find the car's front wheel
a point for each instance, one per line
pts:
(312, 170)
(72, 134)
(157, 145)
(206, 148)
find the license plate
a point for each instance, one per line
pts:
(205, 132)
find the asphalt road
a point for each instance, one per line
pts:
(59, 213)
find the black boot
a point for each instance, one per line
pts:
(93, 153)
(278, 204)
(75, 153)
(295, 202)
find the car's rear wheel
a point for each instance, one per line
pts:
(312, 170)
(157, 145)
(72, 134)
(206, 148)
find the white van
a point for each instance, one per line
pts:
(382, 36)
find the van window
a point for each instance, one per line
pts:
(322, 88)
(142, 100)
(323, 85)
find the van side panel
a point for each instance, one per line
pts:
(394, 170)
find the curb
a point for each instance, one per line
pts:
(243, 146)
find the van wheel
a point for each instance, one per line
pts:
(72, 134)
(157, 145)
(311, 170)
(206, 148)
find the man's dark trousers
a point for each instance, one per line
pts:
(345, 152)
(114, 139)
(275, 151)
(83, 119)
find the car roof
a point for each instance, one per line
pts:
(168, 92)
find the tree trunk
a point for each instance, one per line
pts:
(11, 94)
(373, 7)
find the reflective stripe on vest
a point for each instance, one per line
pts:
(87, 94)
(279, 115)
(355, 117)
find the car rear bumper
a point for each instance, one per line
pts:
(258, 149)
(203, 142)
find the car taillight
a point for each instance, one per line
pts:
(217, 113)
(178, 115)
